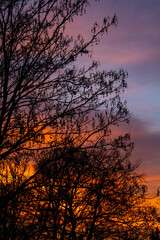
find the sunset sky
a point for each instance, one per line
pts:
(135, 46)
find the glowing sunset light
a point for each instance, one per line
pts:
(134, 44)
(79, 120)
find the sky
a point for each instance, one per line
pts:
(135, 46)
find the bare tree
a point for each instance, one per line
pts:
(45, 99)
(42, 91)
(86, 194)
(48, 102)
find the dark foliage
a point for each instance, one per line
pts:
(58, 117)
(77, 195)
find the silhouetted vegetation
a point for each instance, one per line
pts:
(63, 174)
(78, 194)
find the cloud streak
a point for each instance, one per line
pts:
(133, 45)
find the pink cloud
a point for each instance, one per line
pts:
(146, 150)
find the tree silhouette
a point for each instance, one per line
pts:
(41, 91)
(78, 195)
(58, 117)
(155, 234)
(94, 198)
